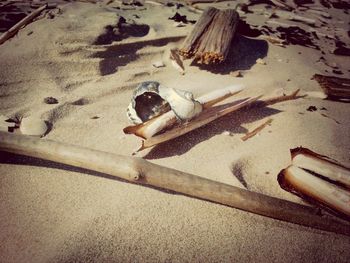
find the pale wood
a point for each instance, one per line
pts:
(256, 130)
(212, 114)
(140, 171)
(13, 30)
(204, 118)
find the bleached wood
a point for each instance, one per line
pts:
(140, 171)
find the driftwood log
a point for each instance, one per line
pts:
(210, 40)
(138, 170)
(13, 30)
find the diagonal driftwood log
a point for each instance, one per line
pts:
(13, 30)
(210, 40)
(138, 170)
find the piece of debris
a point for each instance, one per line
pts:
(95, 117)
(237, 74)
(274, 40)
(227, 133)
(50, 100)
(210, 40)
(311, 108)
(33, 126)
(158, 64)
(319, 180)
(179, 24)
(6, 124)
(260, 61)
(256, 130)
(334, 87)
(176, 61)
(181, 18)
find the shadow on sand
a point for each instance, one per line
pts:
(243, 54)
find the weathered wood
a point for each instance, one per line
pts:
(13, 30)
(256, 130)
(210, 40)
(211, 114)
(335, 88)
(140, 171)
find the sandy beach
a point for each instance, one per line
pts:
(72, 52)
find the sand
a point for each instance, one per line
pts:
(55, 213)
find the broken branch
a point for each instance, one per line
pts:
(13, 30)
(138, 170)
(256, 130)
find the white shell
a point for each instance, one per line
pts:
(158, 99)
(33, 126)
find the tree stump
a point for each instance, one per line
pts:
(210, 40)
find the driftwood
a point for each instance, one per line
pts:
(138, 170)
(256, 130)
(209, 114)
(210, 40)
(319, 180)
(204, 118)
(334, 87)
(13, 30)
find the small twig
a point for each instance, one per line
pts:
(13, 30)
(256, 130)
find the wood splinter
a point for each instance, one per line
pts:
(256, 130)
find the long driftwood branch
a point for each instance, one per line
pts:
(140, 171)
(13, 30)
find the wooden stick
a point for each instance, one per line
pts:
(13, 30)
(140, 171)
(256, 130)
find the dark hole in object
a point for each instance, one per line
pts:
(181, 18)
(245, 29)
(312, 108)
(297, 36)
(120, 31)
(149, 105)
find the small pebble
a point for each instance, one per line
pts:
(50, 100)
(158, 64)
(33, 126)
(261, 61)
(312, 108)
(227, 133)
(237, 74)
